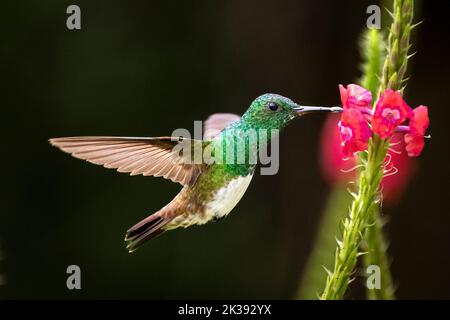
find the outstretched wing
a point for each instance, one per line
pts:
(159, 157)
(217, 122)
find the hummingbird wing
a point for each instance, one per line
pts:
(160, 157)
(217, 122)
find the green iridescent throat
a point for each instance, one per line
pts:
(242, 142)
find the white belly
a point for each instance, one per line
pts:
(226, 198)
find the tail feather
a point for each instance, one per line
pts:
(145, 230)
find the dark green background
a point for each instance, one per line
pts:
(143, 68)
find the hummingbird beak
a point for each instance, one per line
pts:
(302, 110)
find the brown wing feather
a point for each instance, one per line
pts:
(146, 156)
(217, 122)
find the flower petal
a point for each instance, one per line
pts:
(419, 120)
(414, 144)
(355, 132)
(418, 125)
(391, 111)
(355, 96)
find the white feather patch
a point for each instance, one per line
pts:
(226, 198)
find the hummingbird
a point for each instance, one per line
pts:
(210, 190)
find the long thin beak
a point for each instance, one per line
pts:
(302, 110)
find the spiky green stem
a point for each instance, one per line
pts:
(373, 53)
(396, 63)
(365, 200)
(375, 244)
(367, 197)
(394, 71)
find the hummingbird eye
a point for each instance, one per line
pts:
(273, 106)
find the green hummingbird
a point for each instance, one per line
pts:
(210, 190)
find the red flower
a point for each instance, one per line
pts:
(336, 170)
(417, 127)
(353, 135)
(353, 127)
(391, 111)
(355, 132)
(355, 96)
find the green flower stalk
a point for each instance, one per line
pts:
(396, 63)
(373, 51)
(366, 199)
(375, 244)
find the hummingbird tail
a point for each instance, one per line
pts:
(145, 230)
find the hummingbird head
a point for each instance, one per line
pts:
(272, 111)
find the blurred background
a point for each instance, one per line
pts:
(144, 68)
